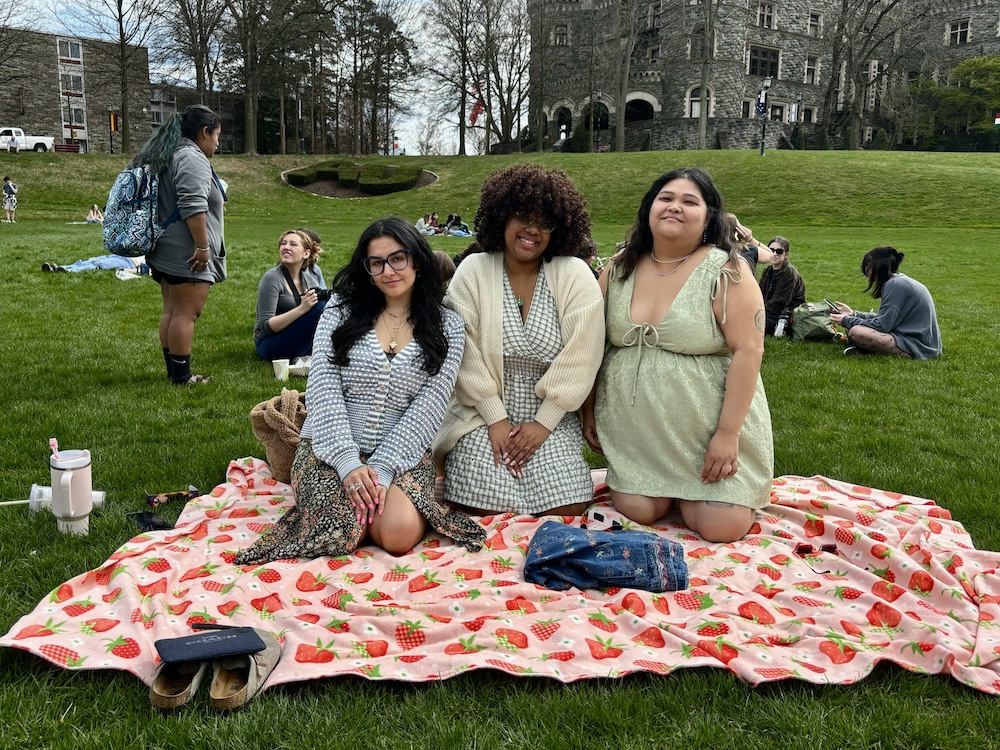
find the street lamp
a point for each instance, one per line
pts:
(762, 107)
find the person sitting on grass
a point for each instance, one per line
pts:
(781, 285)
(386, 355)
(290, 300)
(94, 215)
(906, 322)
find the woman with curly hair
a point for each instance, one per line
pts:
(679, 409)
(385, 358)
(511, 440)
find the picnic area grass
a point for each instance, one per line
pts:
(81, 362)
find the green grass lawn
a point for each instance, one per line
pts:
(81, 362)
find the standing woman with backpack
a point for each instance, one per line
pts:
(190, 256)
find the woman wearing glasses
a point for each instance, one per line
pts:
(385, 358)
(511, 439)
(781, 285)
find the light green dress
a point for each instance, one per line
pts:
(659, 396)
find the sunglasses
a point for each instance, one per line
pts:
(777, 250)
(526, 220)
(397, 261)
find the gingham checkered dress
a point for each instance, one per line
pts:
(557, 474)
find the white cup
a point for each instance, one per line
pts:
(281, 369)
(72, 493)
(40, 497)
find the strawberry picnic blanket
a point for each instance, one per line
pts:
(831, 579)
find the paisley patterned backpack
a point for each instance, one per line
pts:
(131, 225)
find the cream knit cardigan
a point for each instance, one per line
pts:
(476, 293)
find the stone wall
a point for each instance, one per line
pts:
(33, 98)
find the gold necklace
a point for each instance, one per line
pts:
(679, 262)
(392, 336)
(652, 254)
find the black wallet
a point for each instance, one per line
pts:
(210, 644)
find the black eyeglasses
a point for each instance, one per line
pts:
(526, 220)
(777, 250)
(397, 261)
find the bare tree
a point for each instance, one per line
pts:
(429, 136)
(192, 38)
(452, 60)
(507, 64)
(625, 23)
(868, 45)
(125, 29)
(12, 37)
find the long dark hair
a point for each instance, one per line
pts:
(160, 147)
(879, 264)
(718, 232)
(361, 301)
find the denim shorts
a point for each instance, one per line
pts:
(561, 556)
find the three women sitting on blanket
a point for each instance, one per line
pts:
(290, 299)
(679, 409)
(511, 439)
(906, 322)
(385, 358)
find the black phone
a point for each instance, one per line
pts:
(831, 306)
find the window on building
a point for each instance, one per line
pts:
(812, 70)
(78, 114)
(876, 83)
(958, 33)
(155, 117)
(698, 47)
(654, 16)
(71, 83)
(809, 114)
(747, 109)
(765, 15)
(654, 54)
(763, 61)
(777, 112)
(70, 50)
(815, 24)
(561, 35)
(694, 102)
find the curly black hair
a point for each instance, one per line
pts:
(532, 189)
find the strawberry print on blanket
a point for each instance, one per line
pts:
(832, 579)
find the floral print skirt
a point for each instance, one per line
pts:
(324, 520)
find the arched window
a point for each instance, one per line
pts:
(694, 102)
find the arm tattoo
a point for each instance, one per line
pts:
(758, 319)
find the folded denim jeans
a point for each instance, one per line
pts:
(561, 556)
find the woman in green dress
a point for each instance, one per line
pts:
(679, 409)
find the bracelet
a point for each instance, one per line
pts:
(202, 249)
(737, 433)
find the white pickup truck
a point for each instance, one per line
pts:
(14, 140)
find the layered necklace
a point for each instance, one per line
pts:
(678, 261)
(400, 320)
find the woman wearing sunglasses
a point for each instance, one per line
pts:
(385, 357)
(781, 285)
(511, 440)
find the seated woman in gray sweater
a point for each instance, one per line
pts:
(290, 299)
(906, 322)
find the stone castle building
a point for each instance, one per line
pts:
(739, 47)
